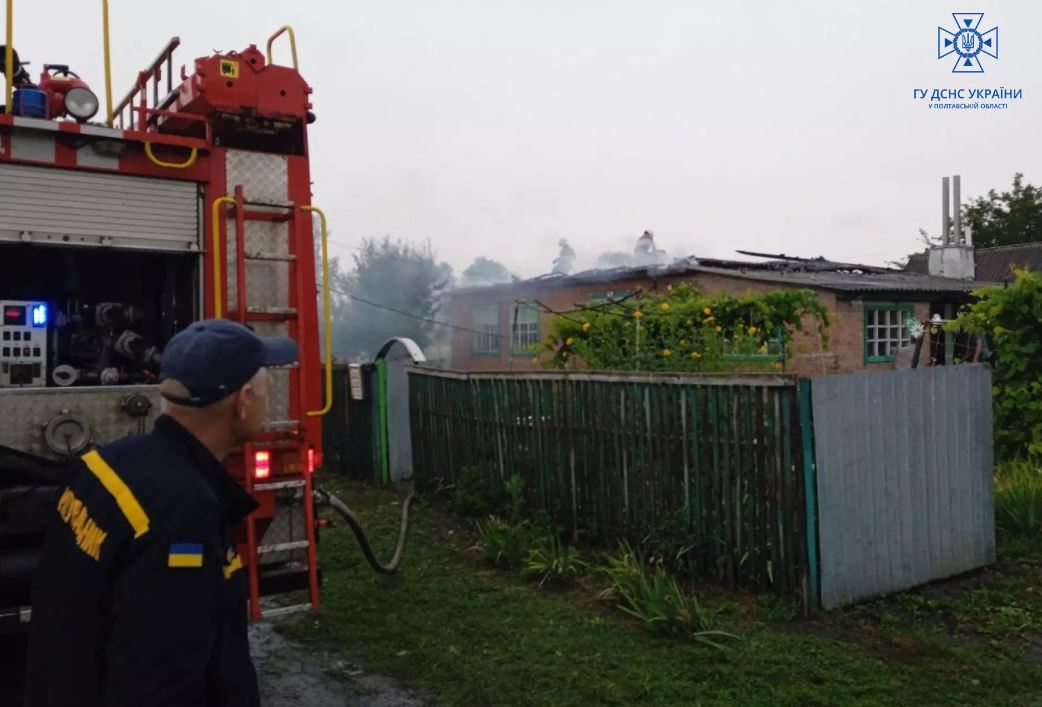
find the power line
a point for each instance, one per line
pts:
(413, 315)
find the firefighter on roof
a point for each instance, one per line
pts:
(140, 597)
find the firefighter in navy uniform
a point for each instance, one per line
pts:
(140, 598)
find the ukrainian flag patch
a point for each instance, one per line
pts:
(185, 555)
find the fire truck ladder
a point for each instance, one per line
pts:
(279, 435)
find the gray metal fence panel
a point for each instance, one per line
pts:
(904, 478)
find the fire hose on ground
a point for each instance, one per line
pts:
(325, 498)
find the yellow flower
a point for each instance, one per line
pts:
(638, 314)
(569, 341)
(665, 306)
(719, 329)
(535, 361)
(762, 349)
(777, 365)
(683, 342)
(696, 355)
(586, 326)
(709, 319)
(752, 330)
(707, 311)
(667, 353)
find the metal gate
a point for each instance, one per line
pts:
(904, 478)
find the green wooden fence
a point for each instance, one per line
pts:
(613, 455)
(351, 432)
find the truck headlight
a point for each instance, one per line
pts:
(81, 103)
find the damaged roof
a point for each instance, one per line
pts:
(816, 273)
(855, 282)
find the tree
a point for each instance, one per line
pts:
(485, 271)
(1008, 218)
(1009, 317)
(393, 290)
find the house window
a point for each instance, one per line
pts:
(485, 335)
(886, 330)
(524, 321)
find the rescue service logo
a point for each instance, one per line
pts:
(967, 42)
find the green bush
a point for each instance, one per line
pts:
(1009, 316)
(553, 561)
(515, 498)
(508, 544)
(675, 544)
(1018, 501)
(473, 496)
(656, 598)
(624, 570)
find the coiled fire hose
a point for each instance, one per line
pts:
(325, 498)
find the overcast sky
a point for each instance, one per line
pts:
(495, 128)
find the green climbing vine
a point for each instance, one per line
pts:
(684, 330)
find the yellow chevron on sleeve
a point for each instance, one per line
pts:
(108, 477)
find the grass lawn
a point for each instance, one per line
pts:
(466, 634)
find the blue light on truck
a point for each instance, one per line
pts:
(39, 315)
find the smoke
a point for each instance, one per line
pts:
(618, 259)
(643, 253)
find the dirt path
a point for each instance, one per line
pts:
(293, 675)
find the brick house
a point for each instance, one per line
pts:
(497, 325)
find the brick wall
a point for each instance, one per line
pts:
(845, 350)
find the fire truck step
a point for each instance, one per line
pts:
(281, 424)
(295, 483)
(276, 311)
(259, 255)
(281, 547)
(285, 611)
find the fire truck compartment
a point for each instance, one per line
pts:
(90, 316)
(81, 338)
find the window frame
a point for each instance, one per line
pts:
(907, 308)
(495, 334)
(515, 320)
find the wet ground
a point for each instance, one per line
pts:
(292, 675)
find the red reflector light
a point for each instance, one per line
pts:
(311, 460)
(262, 464)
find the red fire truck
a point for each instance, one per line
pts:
(189, 198)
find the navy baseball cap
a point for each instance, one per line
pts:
(213, 358)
